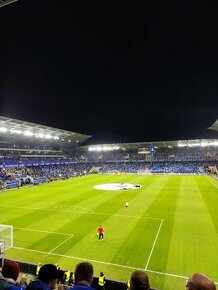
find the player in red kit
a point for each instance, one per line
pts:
(100, 233)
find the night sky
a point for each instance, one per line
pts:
(122, 71)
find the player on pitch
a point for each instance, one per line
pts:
(100, 233)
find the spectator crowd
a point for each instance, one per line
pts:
(50, 277)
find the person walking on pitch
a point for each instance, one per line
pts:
(100, 233)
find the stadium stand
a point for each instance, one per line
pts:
(33, 160)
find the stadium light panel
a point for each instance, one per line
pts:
(194, 144)
(181, 145)
(204, 144)
(15, 131)
(106, 148)
(28, 133)
(103, 148)
(48, 136)
(40, 135)
(3, 129)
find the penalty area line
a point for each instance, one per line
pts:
(40, 231)
(77, 258)
(61, 244)
(154, 243)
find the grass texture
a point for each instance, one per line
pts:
(170, 229)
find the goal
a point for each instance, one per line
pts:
(6, 235)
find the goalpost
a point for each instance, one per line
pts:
(6, 235)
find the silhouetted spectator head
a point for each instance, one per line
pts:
(200, 281)
(11, 270)
(139, 281)
(84, 273)
(48, 272)
(47, 278)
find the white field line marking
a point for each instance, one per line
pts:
(154, 243)
(77, 258)
(85, 208)
(171, 275)
(167, 274)
(61, 244)
(104, 263)
(130, 216)
(31, 230)
(67, 209)
(63, 210)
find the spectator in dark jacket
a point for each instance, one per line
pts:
(47, 278)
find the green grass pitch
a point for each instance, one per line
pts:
(170, 228)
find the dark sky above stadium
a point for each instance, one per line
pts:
(122, 71)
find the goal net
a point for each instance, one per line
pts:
(6, 235)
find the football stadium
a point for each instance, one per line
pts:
(156, 201)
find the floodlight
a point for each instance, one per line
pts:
(48, 136)
(204, 144)
(15, 131)
(40, 135)
(3, 129)
(28, 133)
(106, 148)
(194, 144)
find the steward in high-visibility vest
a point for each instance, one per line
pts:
(38, 268)
(101, 281)
(67, 276)
(72, 278)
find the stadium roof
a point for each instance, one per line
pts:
(214, 126)
(6, 2)
(158, 144)
(17, 130)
